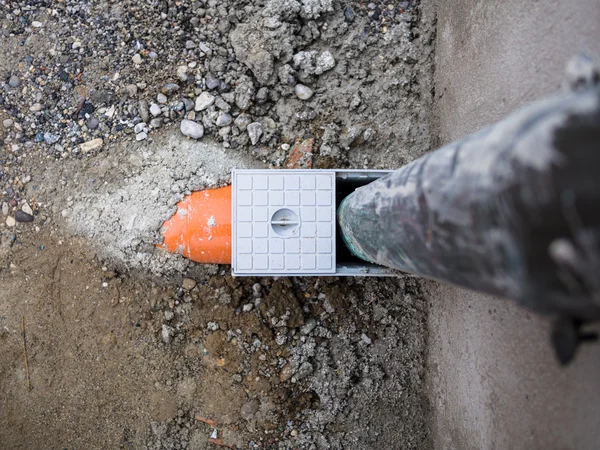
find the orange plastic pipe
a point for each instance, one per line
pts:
(201, 228)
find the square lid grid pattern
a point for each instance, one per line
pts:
(283, 222)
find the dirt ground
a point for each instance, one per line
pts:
(131, 347)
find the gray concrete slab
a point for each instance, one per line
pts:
(494, 382)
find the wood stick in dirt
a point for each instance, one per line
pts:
(25, 352)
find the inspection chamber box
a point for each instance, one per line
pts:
(284, 223)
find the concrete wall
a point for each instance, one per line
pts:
(494, 380)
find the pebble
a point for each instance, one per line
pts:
(285, 147)
(203, 101)
(93, 123)
(242, 121)
(131, 90)
(169, 315)
(349, 14)
(7, 123)
(308, 326)
(143, 110)
(255, 132)
(188, 104)
(169, 88)
(190, 44)
(140, 127)
(36, 107)
(257, 290)
(161, 98)
(305, 370)
(141, 136)
(224, 119)
(325, 62)
(27, 209)
(94, 144)
(189, 284)
(303, 92)
(366, 339)
(249, 409)
(167, 333)
(247, 307)
(50, 138)
(137, 59)
(36, 24)
(5, 209)
(21, 216)
(222, 105)
(156, 123)
(211, 82)
(286, 373)
(192, 129)
(10, 221)
(182, 73)
(155, 110)
(14, 81)
(205, 49)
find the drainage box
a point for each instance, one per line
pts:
(284, 223)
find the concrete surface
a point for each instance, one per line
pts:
(494, 381)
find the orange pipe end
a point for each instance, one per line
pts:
(201, 228)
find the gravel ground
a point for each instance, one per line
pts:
(109, 114)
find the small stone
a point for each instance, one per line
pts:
(349, 14)
(5, 209)
(137, 59)
(189, 284)
(303, 92)
(131, 90)
(141, 136)
(143, 110)
(308, 326)
(169, 315)
(257, 290)
(294, 433)
(21, 216)
(222, 105)
(93, 123)
(161, 98)
(140, 127)
(7, 123)
(203, 101)
(188, 104)
(286, 373)
(76, 45)
(50, 138)
(285, 147)
(300, 156)
(94, 144)
(205, 49)
(182, 73)
(10, 221)
(14, 81)
(305, 370)
(224, 119)
(247, 307)
(156, 123)
(155, 110)
(249, 409)
(27, 209)
(366, 339)
(36, 24)
(211, 82)
(169, 88)
(192, 129)
(167, 333)
(36, 107)
(255, 132)
(242, 121)
(325, 62)
(189, 44)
